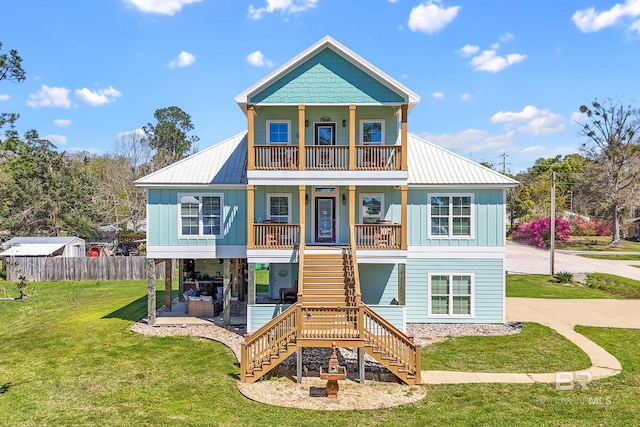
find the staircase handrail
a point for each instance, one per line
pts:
(261, 345)
(354, 260)
(403, 348)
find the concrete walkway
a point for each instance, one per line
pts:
(561, 315)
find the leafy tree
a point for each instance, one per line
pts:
(45, 192)
(611, 142)
(169, 137)
(10, 70)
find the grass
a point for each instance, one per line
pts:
(615, 285)
(536, 349)
(598, 243)
(68, 358)
(262, 281)
(621, 257)
(544, 286)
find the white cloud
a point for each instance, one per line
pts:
(468, 50)
(126, 135)
(588, 20)
(99, 97)
(473, 141)
(56, 139)
(50, 97)
(489, 61)
(95, 151)
(438, 95)
(506, 37)
(163, 7)
(538, 151)
(430, 18)
(284, 6)
(183, 60)
(257, 59)
(578, 117)
(465, 97)
(495, 46)
(63, 123)
(535, 121)
(4, 97)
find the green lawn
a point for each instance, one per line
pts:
(536, 349)
(623, 257)
(69, 359)
(598, 243)
(543, 286)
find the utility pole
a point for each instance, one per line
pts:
(553, 222)
(504, 163)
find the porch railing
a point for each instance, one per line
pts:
(378, 236)
(276, 157)
(377, 157)
(327, 157)
(276, 236)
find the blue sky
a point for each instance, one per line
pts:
(494, 77)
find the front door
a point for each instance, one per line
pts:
(325, 224)
(325, 136)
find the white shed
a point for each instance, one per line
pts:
(44, 247)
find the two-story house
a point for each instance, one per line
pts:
(367, 226)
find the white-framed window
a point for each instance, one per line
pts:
(279, 207)
(450, 216)
(372, 132)
(371, 208)
(451, 294)
(278, 131)
(200, 215)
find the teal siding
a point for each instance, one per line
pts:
(262, 314)
(393, 314)
(488, 288)
(336, 114)
(326, 78)
(260, 201)
(162, 217)
(378, 283)
(489, 227)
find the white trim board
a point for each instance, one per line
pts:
(197, 252)
(455, 252)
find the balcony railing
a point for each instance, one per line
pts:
(378, 236)
(327, 157)
(276, 236)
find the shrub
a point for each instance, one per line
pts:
(592, 227)
(538, 232)
(563, 277)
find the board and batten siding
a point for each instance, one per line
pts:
(488, 288)
(488, 217)
(162, 218)
(378, 283)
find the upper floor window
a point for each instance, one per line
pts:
(279, 208)
(372, 208)
(200, 215)
(372, 132)
(278, 131)
(450, 215)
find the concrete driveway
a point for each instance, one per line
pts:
(530, 260)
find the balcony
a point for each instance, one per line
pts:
(287, 236)
(328, 157)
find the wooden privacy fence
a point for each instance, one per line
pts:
(43, 269)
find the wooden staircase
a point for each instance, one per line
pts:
(329, 309)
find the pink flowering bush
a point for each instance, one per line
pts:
(538, 232)
(592, 227)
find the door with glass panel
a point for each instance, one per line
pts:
(325, 220)
(325, 135)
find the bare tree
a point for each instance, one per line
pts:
(612, 144)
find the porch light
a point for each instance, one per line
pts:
(306, 123)
(306, 199)
(344, 199)
(344, 123)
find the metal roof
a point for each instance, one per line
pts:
(411, 98)
(38, 239)
(222, 164)
(32, 249)
(429, 164)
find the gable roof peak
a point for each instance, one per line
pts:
(328, 42)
